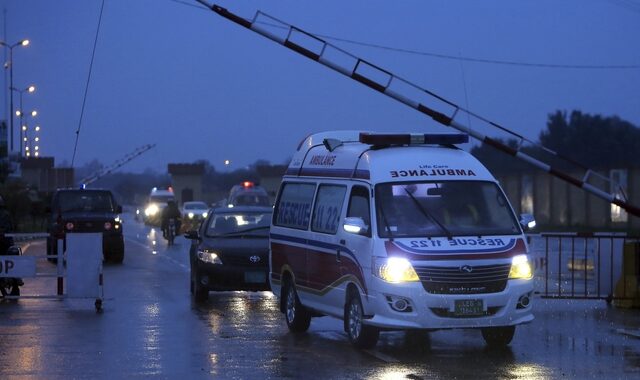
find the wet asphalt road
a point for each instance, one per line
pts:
(151, 327)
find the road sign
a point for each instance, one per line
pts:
(17, 266)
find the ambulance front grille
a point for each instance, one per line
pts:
(460, 280)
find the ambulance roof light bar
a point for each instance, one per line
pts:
(413, 138)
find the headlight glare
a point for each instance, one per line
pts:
(151, 210)
(395, 270)
(520, 268)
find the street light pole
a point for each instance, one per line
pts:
(10, 66)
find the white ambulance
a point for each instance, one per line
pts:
(397, 232)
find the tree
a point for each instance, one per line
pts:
(591, 141)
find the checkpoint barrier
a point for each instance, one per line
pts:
(78, 260)
(603, 266)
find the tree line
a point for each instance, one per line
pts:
(591, 141)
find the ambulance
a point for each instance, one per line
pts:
(397, 232)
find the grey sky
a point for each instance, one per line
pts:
(202, 87)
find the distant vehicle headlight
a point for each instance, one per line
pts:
(520, 268)
(190, 215)
(395, 270)
(209, 257)
(205, 214)
(151, 210)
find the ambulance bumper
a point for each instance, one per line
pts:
(447, 311)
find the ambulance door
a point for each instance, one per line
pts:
(289, 235)
(355, 255)
(323, 264)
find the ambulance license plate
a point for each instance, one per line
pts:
(255, 277)
(469, 307)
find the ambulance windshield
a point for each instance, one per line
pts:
(447, 208)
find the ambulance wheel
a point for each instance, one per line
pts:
(498, 337)
(360, 335)
(298, 318)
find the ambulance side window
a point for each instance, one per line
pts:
(328, 208)
(294, 205)
(359, 205)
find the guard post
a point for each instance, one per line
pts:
(628, 286)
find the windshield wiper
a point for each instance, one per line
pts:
(386, 222)
(428, 215)
(233, 233)
(253, 229)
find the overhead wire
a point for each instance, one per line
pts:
(626, 4)
(86, 89)
(457, 57)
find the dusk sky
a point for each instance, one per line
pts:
(173, 73)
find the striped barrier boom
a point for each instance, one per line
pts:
(412, 95)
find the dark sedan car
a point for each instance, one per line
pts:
(230, 251)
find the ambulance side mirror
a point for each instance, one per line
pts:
(355, 225)
(527, 221)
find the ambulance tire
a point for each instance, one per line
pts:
(297, 316)
(498, 337)
(360, 335)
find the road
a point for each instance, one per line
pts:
(151, 327)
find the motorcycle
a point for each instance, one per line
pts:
(9, 286)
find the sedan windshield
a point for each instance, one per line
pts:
(255, 223)
(448, 208)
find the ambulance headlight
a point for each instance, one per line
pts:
(520, 268)
(209, 257)
(151, 210)
(395, 270)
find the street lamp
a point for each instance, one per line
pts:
(20, 112)
(24, 134)
(9, 65)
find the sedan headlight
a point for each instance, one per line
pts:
(209, 257)
(395, 270)
(520, 268)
